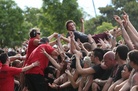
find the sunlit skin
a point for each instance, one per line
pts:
(109, 60)
(38, 34)
(125, 73)
(71, 26)
(107, 63)
(92, 57)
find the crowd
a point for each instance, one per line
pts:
(84, 62)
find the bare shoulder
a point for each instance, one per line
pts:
(135, 76)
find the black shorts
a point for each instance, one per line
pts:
(35, 82)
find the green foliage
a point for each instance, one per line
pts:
(121, 3)
(104, 27)
(59, 12)
(91, 25)
(16, 23)
(10, 23)
(130, 6)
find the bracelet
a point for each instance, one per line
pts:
(122, 28)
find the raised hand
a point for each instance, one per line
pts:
(125, 16)
(53, 85)
(43, 51)
(82, 20)
(118, 19)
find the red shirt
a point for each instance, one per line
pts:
(30, 48)
(7, 77)
(37, 55)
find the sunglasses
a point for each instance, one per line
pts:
(38, 33)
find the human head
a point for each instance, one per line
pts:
(121, 52)
(3, 58)
(44, 40)
(34, 32)
(17, 63)
(70, 25)
(98, 52)
(65, 47)
(125, 73)
(109, 59)
(133, 58)
(87, 46)
(1, 51)
(73, 62)
(86, 62)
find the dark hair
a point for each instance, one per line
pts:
(15, 63)
(122, 51)
(3, 57)
(33, 32)
(51, 70)
(73, 62)
(1, 51)
(129, 67)
(69, 21)
(98, 52)
(12, 53)
(87, 46)
(44, 40)
(133, 56)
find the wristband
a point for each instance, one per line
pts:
(99, 81)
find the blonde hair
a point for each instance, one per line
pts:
(87, 60)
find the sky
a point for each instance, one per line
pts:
(87, 5)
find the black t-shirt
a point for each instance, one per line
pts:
(99, 71)
(84, 38)
(116, 75)
(106, 74)
(79, 35)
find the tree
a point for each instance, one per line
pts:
(58, 13)
(92, 24)
(104, 27)
(33, 17)
(130, 6)
(10, 23)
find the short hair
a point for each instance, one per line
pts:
(44, 40)
(110, 55)
(98, 52)
(87, 60)
(87, 46)
(69, 21)
(122, 51)
(133, 56)
(1, 51)
(3, 57)
(33, 32)
(15, 63)
(129, 67)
